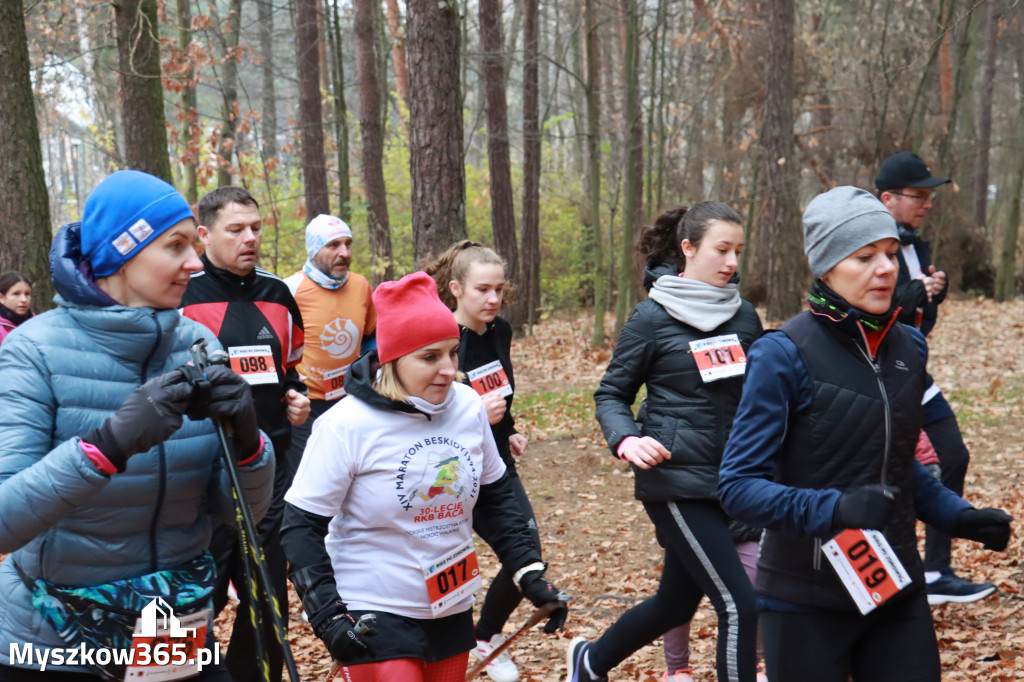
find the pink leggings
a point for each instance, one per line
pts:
(407, 669)
(677, 640)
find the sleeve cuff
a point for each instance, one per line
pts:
(251, 458)
(97, 458)
(622, 446)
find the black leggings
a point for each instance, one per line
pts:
(953, 460)
(700, 559)
(894, 643)
(503, 596)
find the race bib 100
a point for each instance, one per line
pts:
(490, 377)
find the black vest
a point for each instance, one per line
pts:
(853, 433)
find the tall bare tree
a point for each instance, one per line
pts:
(188, 103)
(632, 212)
(398, 60)
(371, 125)
(435, 126)
(340, 109)
(530, 273)
(311, 122)
(593, 219)
(229, 38)
(25, 218)
(503, 215)
(987, 82)
(780, 234)
(142, 94)
(268, 114)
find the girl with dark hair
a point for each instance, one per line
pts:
(15, 302)
(688, 345)
(471, 281)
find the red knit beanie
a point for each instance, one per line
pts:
(410, 315)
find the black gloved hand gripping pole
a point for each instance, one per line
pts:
(247, 537)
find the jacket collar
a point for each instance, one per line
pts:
(226, 276)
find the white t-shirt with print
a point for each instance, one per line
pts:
(401, 490)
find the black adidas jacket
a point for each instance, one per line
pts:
(249, 312)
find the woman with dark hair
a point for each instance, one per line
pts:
(111, 474)
(688, 345)
(822, 456)
(15, 302)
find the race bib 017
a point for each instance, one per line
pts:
(255, 364)
(867, 566)
(719, 357)
(452, 577)
(490, 377)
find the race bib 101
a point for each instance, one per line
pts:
(719, 357)
(867, 567)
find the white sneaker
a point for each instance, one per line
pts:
(501, 668)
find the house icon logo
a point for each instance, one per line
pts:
(156, 611)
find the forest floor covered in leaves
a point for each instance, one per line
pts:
(601, 546)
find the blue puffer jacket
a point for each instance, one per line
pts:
(63, 374)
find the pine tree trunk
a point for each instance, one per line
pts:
(598, 272)
(530, 290)
(398, 59)
(503, 216)
(340, 108)
(268, 118)
(187, 104)
(229, 84)
(782, 239)
(311, 124)
(435, 127)
(142, 95)
(25, 219)
(632, 212)
(983, 144)
(372, 130)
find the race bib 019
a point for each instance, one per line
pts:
(452, 577)
(490, 377)
(255, 364)
(867, 567)
(719, 357)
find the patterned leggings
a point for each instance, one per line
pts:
(407, 669)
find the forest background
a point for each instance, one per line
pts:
(553, 129)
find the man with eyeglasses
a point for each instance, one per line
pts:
(905, 185)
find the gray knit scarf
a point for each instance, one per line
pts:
(696, 303)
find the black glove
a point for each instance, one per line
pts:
(231, 403)
(990, 527)
(150, 415)
(540, 591)
(866, 506)
(343, 634)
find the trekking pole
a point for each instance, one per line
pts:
(247, 530)
(542, 612)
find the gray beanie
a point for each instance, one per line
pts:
(839, 222)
